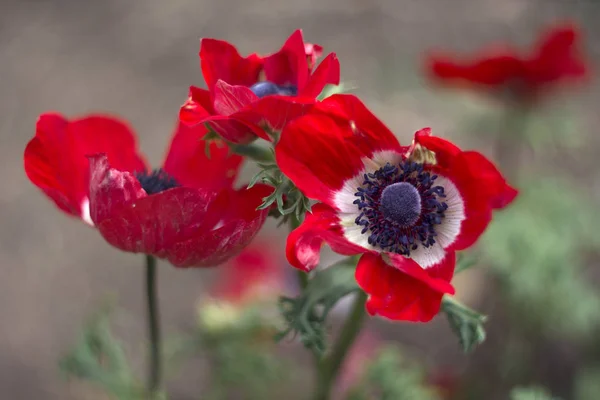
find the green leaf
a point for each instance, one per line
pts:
(306, 314)
(531, 393)
(98, 357)
(466, 323)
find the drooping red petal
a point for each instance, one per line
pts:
(55, 159)
(396, 295)
(288, 66)
(164, 224)
(323, 149)
(197, 107)
(239, 223)
(221, 60)
(188, 162)
(327, 73)
(445, 151)
(321, 226)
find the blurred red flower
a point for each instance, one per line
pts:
(405, 209)
(186, 212)
(248, 97)
(256, 273)
(556, 59)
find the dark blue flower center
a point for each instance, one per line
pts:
(156, 181)
(401, 202)
(400, 207)
(262, 89)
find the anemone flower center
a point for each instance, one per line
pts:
(156, 181)
(401, 202)
(262, 89)
(400, 207)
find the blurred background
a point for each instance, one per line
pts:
(137, 59)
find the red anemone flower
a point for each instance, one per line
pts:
(405, 209)
(248, 97)
(557, 58)
(186, 212)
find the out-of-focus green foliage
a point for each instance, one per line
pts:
(99, 358)
(466, 323)
(306, 314)
(537, 247)
(330, 90)
(531, 393)
(587, 384)
(237, 343)
(390, 377)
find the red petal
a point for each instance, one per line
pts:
(289, 65)
(55, 159)
(324, 148)
(321, 226)
(275, 112)
(229, 99)
(241, 222)
(158, 224)
(188, 163)
(445, 151)
(197, 107)
(400, 296)
(327, 73)
(236, 130)
(221, 60)
(492, 67)
(558, 55)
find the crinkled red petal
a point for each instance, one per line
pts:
(55, 159)
(319, 227)
(239, 223)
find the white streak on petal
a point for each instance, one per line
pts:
(85, 212)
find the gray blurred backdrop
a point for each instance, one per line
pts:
(137, 59)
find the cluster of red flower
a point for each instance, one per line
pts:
(405, 209)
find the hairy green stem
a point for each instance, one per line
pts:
(256, 152)
(330, 366)
(154, 369)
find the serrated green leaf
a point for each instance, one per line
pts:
(306, 315)
(99, 358)
(466, 323)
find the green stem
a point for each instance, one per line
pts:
(509, 140)
(154, 374)
(253, 151)
(330, 366)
